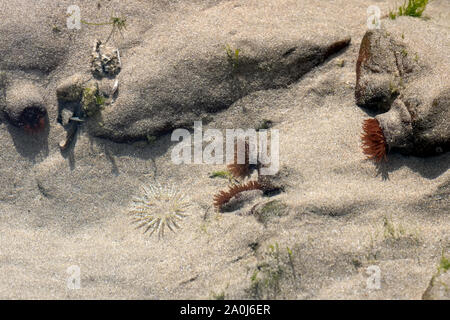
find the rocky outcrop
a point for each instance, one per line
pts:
(402, 73)
(382, 68)
(203, 63)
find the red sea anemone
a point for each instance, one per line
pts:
(374, 143)
(224, 197)
(32, 119)
(240, 171)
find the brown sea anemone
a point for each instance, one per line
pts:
(373, 141)
(33, 119)
(240, 170)
(224, 197)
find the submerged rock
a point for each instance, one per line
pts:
(266, 211)
(25, 107)
(404, 74)
(207, 66)
(71, 89)
(439, 286)
(383, 67)
(242, 202)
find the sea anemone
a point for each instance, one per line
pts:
(158, 207)
(33, 119)
(25, 107)
(224, 197)
(373, 141)
(242, 170)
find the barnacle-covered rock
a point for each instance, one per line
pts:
(105, 61)
(404, 74)
(25, 107)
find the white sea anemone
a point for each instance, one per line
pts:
(158, 207)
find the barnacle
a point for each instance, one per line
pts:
(159, 207)
(374, 142)
(224, 196)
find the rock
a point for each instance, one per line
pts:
(78, 98)
(268, 210)
(273, 184)
(65, 116)
(91, 102)
(438, 288)
(105, 61)
(25, 107)
(108, 89)
(431, 123)
(381, 69)
(418, 129)
(406, 80)
(72, 96)
(167, 84)
(72, 128)
(242, 202)
(71, 89)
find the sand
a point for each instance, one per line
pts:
(345, 213)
